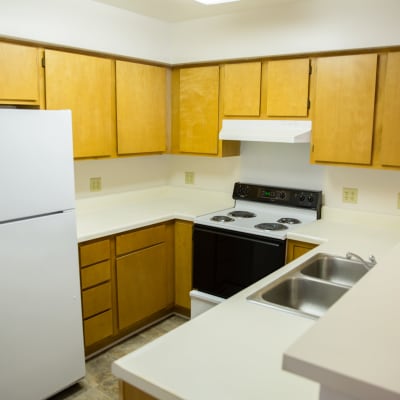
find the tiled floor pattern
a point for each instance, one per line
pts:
(99, 383)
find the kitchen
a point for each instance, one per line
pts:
(377, 189)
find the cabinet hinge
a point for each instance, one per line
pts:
(43, 62)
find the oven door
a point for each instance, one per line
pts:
(225, 262)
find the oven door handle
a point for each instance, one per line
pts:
(242, 237)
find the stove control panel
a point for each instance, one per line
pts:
(290, 197)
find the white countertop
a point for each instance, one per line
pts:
(354, 349)
(235, 350)
(106, 215)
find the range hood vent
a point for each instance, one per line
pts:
(278, 131)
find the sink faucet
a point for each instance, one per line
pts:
(367, 264)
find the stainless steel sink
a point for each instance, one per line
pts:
(308, 297)
(334, 269)
(313, 287)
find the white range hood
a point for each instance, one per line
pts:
(278, 131)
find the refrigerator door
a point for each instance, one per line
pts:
(36, 163)
(41, 337)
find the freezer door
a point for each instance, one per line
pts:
(36, 163)
(41, 337)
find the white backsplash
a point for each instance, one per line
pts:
(263, 163)
(288, 165)
(132, 173)
(121, 174)
(280, 164)
(210, 173)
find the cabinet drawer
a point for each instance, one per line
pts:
(98, 327)
(96, 300)
(94, 252)
(140, 239)
(95, 274)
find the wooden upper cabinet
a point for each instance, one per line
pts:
(242, 89)
(141, 92)
(390, 141)
(287, 84)
(85, 85)
(198, 110)
(343, 119)
(20, 70)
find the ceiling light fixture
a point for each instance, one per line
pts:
(209, 2)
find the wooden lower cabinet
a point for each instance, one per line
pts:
(127, 282)
(183, 265)
(98, 327)
(128, 392)
(97, 292)
(295, 249)
(142, 284)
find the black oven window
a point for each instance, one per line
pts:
(226, 262)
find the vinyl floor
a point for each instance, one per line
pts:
(99, 383)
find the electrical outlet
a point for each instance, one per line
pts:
(350, 195)
(95, 184)
(189, 177)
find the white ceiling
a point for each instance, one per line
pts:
(184, 10)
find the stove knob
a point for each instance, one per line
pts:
(243, 190)
(310, 198)
(282, 195)
(302, 197)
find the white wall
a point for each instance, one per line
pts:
(377, 189)
(288, 165)
(280, 164)
(132, 173)
(121, 174)
(290, 28)
(86, 24)
(211, 173)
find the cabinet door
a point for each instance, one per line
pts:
(390, 146)
(295, 249)
(198, 110)
(141, 108)
(85, 85)
(287, 87)
(183, 263)
(242, 89)
(19, 74)
(344, 109)
(142, 282)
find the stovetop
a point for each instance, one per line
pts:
(266, 211)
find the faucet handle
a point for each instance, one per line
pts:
(372, 259)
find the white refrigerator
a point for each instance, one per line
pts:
(41, 337)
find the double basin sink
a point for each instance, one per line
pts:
(313, 287)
